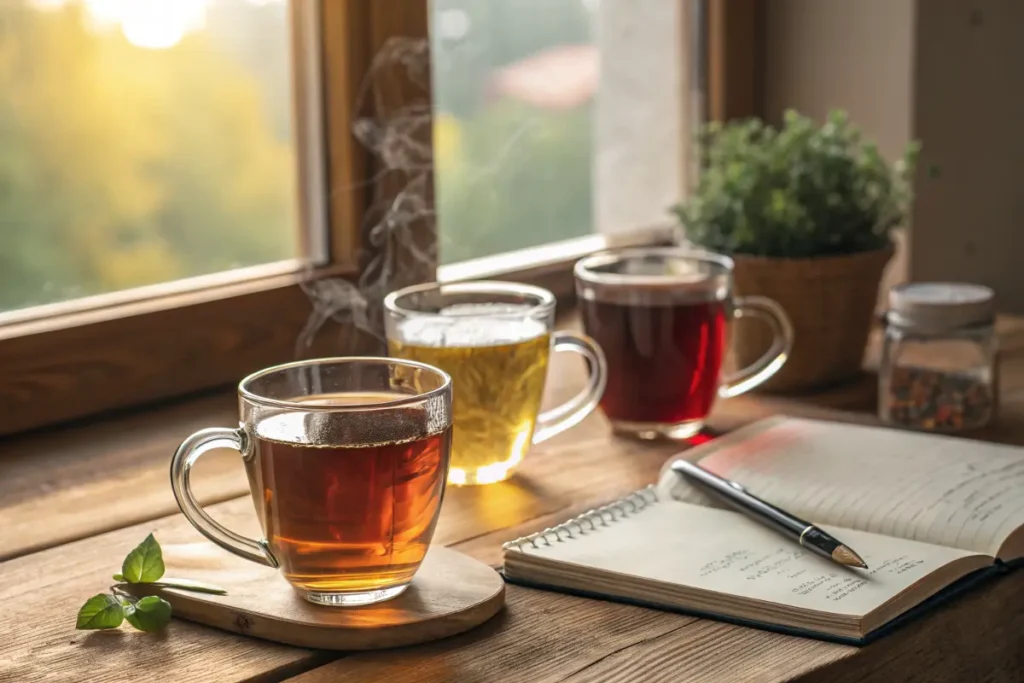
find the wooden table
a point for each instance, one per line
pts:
(73, 501)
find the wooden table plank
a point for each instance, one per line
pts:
(91, 478)
(60, 476)
(549, 637)
(475, 519)
(41, 594)
(553, 485)
(987, 623)
(979, 638)
(528, 642)
(45, 643)
(123, 461)
(84, 480)
(538, 624)
(658, 646)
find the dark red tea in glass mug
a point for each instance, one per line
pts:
(660, 315)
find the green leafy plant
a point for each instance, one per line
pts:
(798, 191)
(143, 565)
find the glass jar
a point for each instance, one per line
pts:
(939, 366)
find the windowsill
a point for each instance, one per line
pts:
(156, 297)
(104, 473)
(113, 472)
(110, 471)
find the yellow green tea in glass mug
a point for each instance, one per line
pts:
(495, 340)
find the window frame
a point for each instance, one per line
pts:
(72, 360)
(733, 51)
(78, 359)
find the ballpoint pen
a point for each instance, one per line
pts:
(804, 533)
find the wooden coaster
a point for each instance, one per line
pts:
(451, 593)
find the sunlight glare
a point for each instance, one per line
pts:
(49, 5)
(152, 24)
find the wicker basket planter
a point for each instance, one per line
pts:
(831, 302)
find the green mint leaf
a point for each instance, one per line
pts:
(190, 585)
(150, 614)
(100, 611)
(145, 564)
(119, 578)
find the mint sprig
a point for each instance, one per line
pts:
(143, 565)
(149, 614)
(100, 611)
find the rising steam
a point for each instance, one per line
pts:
(398, 138)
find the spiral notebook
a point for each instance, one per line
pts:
(930, 515)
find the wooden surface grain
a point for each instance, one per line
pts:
(105, 484)
(978, 638)
(552, 637)
(582, 641)
(123, 459)
(42, 592)
(123, 357)
(87, 479)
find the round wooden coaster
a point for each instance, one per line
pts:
(451, 593)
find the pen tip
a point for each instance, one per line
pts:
(844, 555)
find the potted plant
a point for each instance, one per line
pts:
(806, 212)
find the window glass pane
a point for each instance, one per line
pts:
(514, 86)
(141, 141)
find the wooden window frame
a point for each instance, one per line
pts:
(73, 360)
(734, 50)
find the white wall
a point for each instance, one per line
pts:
(949, 73)
(642, 122)
(851, 54)
(858, 55)
(969, 114)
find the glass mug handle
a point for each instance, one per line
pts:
(572, 412)
(767, 365)
(190, 450)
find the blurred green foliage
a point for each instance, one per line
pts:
(522, 178)
(509, 175)
(121, 166)
(496, 33)
(800, 191)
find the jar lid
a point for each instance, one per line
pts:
(941, 305)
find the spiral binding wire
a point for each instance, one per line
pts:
(588, 522)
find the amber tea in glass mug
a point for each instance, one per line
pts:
(494, 339)
(347, 460)
(660, 314)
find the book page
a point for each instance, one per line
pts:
(945, 491)
(725, 552)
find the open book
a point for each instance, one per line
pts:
(927, 514)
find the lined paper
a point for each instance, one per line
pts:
(946, 491)
(727, 553)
